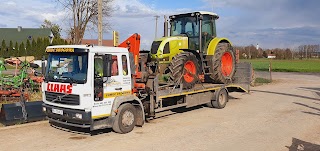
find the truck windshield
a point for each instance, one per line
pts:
(67, 67)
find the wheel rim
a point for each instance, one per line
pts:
(191, 70)
(127, 118)
(221, 99)
(226, 64)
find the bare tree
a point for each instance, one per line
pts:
(85, 15)
(55, 28)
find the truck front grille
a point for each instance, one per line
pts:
(68, 99)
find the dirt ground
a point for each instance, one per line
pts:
(282, 116)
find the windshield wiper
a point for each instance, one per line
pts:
(71, 80)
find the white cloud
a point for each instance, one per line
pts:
(133, 16)
(29, 13)
(10, 3)
(271, 23)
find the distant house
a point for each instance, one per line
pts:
(23, 34)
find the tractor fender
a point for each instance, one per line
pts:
(213, 44)
(196, 54)
(135, 101)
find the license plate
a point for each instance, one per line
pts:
(57, 111)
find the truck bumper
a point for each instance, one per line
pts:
(70, 117)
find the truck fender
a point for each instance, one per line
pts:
(135, 101)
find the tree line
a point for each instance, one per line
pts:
(301, 52)
(35, 47)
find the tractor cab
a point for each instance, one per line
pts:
(194, 26)
(187, 32)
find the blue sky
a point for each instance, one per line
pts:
(272, 23)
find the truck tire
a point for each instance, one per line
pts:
(220, 99)
(125, 120)
(184, 68)
(223, 64)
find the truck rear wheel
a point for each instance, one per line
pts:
(184, 69)
(125, 120)
(220, 99)
(223, 64)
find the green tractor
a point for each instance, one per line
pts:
(193, 52)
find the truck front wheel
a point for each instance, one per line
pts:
(125, 120)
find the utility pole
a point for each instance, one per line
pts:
(307, 47)
(100, 22)
(157, 16)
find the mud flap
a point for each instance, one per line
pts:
(13, 113)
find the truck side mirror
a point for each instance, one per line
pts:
(107, 60)
(43, 65)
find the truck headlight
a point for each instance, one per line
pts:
(78, 115)
(44, 109)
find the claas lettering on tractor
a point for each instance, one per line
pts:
(98, 87)
(193, 52)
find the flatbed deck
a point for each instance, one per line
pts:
(199, 88)
(167, 96)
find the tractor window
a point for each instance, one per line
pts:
(208, 26)
(185, 25)
(166, 49)
(124, 65)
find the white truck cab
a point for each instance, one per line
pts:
(85, 86)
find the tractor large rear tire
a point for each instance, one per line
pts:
(223, 64)
(184, 68)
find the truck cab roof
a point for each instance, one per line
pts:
(86, 48)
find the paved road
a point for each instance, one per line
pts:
(281, 116)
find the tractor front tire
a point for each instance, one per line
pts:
(223, 64)
(184, 68)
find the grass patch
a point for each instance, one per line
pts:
(260, 81)
(312, 65)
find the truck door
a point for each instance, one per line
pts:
(120, 81)
(117, 85)
(125, 75)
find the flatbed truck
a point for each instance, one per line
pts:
(99, 87)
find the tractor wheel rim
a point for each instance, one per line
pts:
(190, 72)
(226, 64)
(127, 118)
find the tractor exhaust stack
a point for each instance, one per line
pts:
(166, 27)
